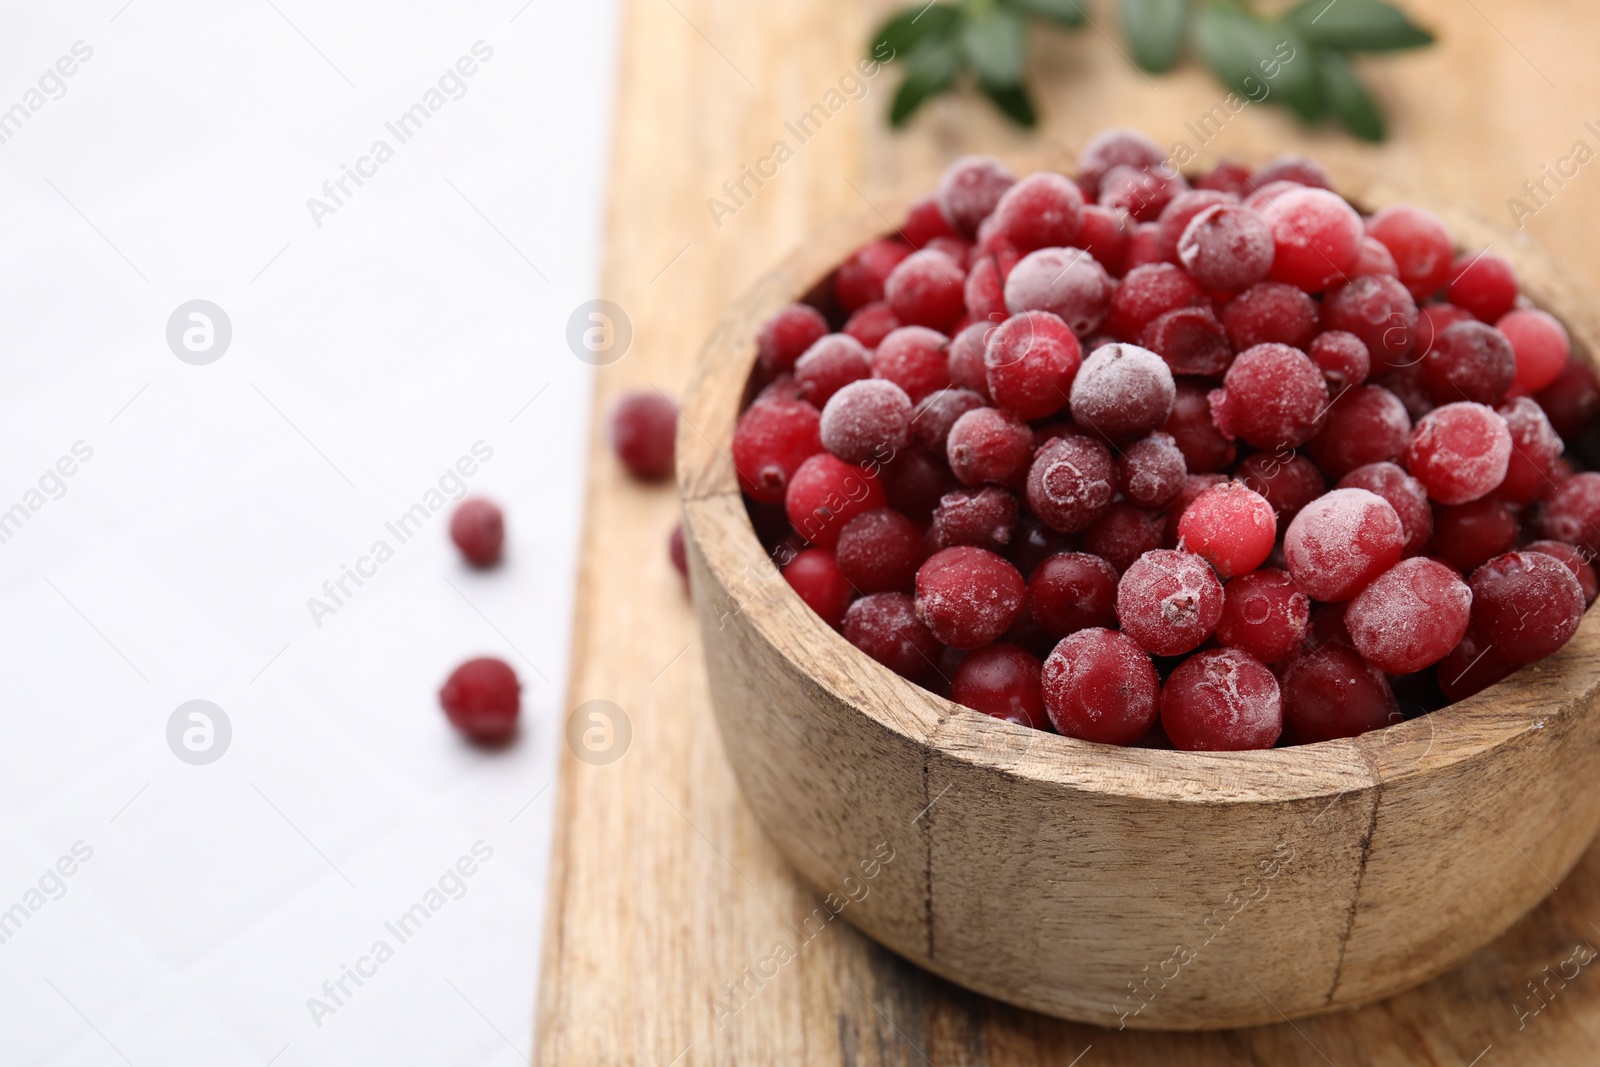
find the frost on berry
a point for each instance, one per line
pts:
(1067, 282)
(1459, 452)
(1342, 541)
(1410, 617)
(1222, 701)
(1122, 392)
(1072, 480)
(1169, 602)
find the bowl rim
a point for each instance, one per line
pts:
(1454, 736)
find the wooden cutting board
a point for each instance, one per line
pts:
(663, 887)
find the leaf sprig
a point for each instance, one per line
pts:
(987, 41)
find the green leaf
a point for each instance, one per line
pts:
(1349, 100)
(1013, 100)
(993, 43)
(1066, 12)
(930, 69)
(901, 34)
(1154, 29)
(1257, 58)
(1357, 26)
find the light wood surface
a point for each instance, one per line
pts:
(665, 887)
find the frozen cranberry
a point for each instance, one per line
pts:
(1302, 170)
(1270, 312)
(989, 446)
(1342, 541)
(1230, 527)
(1139, 192)
(1003, 681)
(958, 249)
(1265, 193)
(1072, 591)
(916, 359)
(482, 699)
(1484, 284)
(1367, 424)
(1572, 401)
(969, 596)
(1534, 448)
(1033, 542)
(1271, 397)
(1043, 210)
(1571, 513)
(970, 189)
(1420, 244)
(1459, 452)
(984, 292)
(936, 413)
(1471, 667)
(1468, 535)
(1169, 602)
(1265, 615)
(984, 518)
(1229, 176)
(1404, 493)
(1222, 701)
(1540, 344)
(785, 337)
(1576, 562)
(1071, 482)
(879, 551)
(825, 493)
(1374, 259)
(1122, 534)
(831, 364)
(915, 482)
(1104, 236)
(1288, 480)
(1432, 320)
(1151, 471)
(1410, 384)
(1410, 617)
(1191, 426)
(1066, 282)
(1031, 361)
(859, 280)
(1526, 605)
(1181, 210)
(1380, 311)
(1191, 340)
(928, 288)
(885, 626)
(1227, 247)
(966, 354)
(1145, 247)
(1114, 147)
(678, 554)
(1342, 358)
(871, 323)
(816, 576)
(867, 420)
(1317, 237)
(1331, 692)
(1100, 686)
(1470, 361)
(643, 428)
(925, 221)
(1193, 486)
(1122, 392)
(478, 528)
(1148, 292)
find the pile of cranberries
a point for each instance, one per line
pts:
(1212, 463)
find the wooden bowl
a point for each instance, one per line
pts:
(1121, 886)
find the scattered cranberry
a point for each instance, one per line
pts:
(1342, 541)
(1264, 614)
(1222, 701)
(1331, 692)
(1459, 452)
(885, 626)
(1540, 344)
(1003, 681)
(1030, 362)
(1101, 686)
(479, 530)
(1169, 602)
(1271, 397)
(968, 596)
(1071, 482)
(1410, 617)
(482, 699)
(643, 428)
(785, 337)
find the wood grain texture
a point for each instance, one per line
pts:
(665, 888)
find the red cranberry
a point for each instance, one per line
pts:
(1459, 452)
(1169, 602)
(482, 699)
(1265, 615)
(1105, 237)
(1410, 617)
(1331, 692)
(785, 337)
(885, 626)
(970, 190)
(1043, 210)
(1139, 192)
(968, 596)
(1180, 211)
(879, 551)
(1302, 170)
(1151, 471)
(867, 420)
(1114, 147)
(1222, 701)
(825, 493)
(1100, 686)
(1470, 361)
(989, 446)
(771, 440)
(1145, 247)
(1374, 259)
(985, 292)
(1380, 311)
(1191, 340)
(1571, 513)
(1342, 358)
(1420, 244)
(1534, 448)
(1484, 284)
(1289, 481)
(1366, 425)
(816, 576)
(1191, 426)
(1034, 542)
(1340, 542)
(1072, 591)
(1071, 482)
(1576, 562)
(1123, 392)
(1468, 535)
(1193, 486)
(1404, 493)
(872, 323)
(1526, 605)
(1066, 282)
(1317, 237)
(1148, 292)
(479, 531)
(925, 222)
(1230, 527)
(936, 413)
(1540, 344)
(966, 353)
(1227, 247)
(928, 288)
(1003, 681)
(1122, 534)
(859, 280)
(1471, 667)
(1271, 397)
(1031, 361)
(916, 359)
(983, 518)
(915, 482)
(1270, 313)
(643, 428)
(1572, 401)
(831, 364)
(1228, 176)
